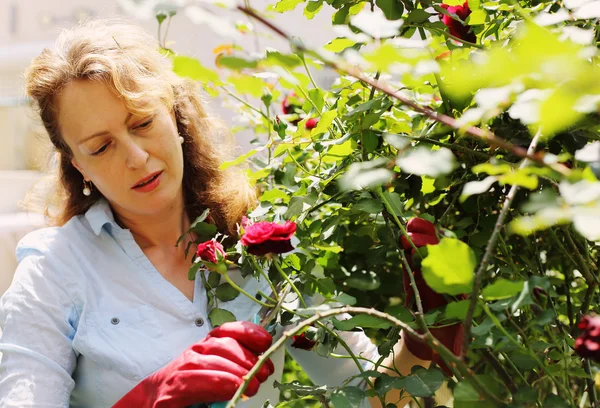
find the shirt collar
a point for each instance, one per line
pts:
(100, 214)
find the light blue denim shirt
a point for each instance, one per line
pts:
(87, 317)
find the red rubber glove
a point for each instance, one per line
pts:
(422, 233)
(210, 370)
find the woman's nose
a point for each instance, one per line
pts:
(136, 155)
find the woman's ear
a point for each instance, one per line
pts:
(78, 167)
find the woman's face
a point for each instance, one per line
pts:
(115, 150)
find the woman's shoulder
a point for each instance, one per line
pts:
(54, 241)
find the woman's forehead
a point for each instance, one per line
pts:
(89, 107)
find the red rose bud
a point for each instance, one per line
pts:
(302, 342)
(210, 251)
(264, 237)
(286, 106)
(455, 27)
(587, 345)
(311, 123)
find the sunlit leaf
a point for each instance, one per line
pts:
(287, 5)
(192, 68)
(449, 267)
(502, 288)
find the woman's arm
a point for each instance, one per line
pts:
(38, 320)
(403, 360)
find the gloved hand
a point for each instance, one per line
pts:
(208, 371)
(422, 232)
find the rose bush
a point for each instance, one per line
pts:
(458, 114)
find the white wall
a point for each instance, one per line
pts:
(27, 26)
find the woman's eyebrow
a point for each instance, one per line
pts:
(103, 132)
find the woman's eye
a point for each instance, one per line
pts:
(101, 150)
(145, 124)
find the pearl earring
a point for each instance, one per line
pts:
(87, 191)
(181, 140)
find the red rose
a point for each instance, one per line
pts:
(455, 27)
(587, 345)
(207, 251)
(268, 237)
(311, 123)
(302, 342)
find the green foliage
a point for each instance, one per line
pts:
(374, 161)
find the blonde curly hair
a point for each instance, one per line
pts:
(127, 58)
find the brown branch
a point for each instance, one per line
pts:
(491, 245)
(451, 122)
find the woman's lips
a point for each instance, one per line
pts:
(150, 185)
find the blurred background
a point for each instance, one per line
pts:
(29, 26)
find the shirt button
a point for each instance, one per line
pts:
(115, 320)
(199, 322)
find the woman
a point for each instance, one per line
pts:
(100, 311)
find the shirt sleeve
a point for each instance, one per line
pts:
(37, 320)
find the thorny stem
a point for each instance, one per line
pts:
(427, 338)
(289, 281)
(343, 344)
(236, 287)
(491, 245)
(451, 122)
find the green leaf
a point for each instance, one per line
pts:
(248, 85)
(554, 401)
(523, 360)
(477, 17)
(520, 178)
(312, 8)
(219, 316)
(394, 201)
(301, 390)
(362, 320)
(273, 195)
(339, 44)
(366, 281)
(392, 9)
(346, 299)
(338, 152)
(213, 279)
(458, 310)
(204, 230)
(368, 205)
(286, 5)
(324, 122)
(423, 382)
(449, 267)
(502, 289)
(417, 16)
(348, 397)
(240, 159)
(232, 62)
(192, 271)
(385, 383)
(191, 68)
(400, 312)
(276, 58)
(225, 292)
